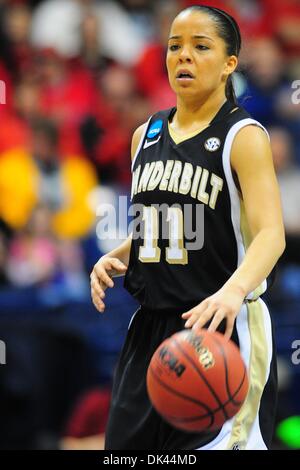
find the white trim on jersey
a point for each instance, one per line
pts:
(132, 318)
(140, 143)
(221, 440)
(246, 429)
(243, 432)
(233, 192)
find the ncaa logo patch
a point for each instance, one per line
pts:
(155, 129)
(212, 144)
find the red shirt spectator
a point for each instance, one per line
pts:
(67, 97)
(285, 19)
(90, 415)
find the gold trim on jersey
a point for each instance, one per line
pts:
(257, 375)
(178, 139)
(181, 138)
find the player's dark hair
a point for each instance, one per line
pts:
(229, 31)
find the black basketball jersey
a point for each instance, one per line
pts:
(190, 232)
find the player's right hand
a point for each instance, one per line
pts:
(101, 278)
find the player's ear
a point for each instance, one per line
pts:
(230, 65)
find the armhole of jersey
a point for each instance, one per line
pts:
(140, 143)
(234, 196)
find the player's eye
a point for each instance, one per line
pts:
(201, 47)
(174, 47)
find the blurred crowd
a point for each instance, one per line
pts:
(80, 76)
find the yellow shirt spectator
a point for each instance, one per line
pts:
(20, 180)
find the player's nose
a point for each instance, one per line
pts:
(185, 54)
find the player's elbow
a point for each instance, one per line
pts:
(277, 241)
(273, 239)
(282, 243)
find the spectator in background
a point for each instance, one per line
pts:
(27, 100)
(107, 133)
(41, 175)
(91, 55)
(6, 61)
(15, 122)
(37, 258)
(67, 96)
(6, 101)
(72, 279)
(284, 16)
(141, 14)
(86, 425)
(266, 80)
(33, 252)
(17, 27)
(288, 174)
(150, 70)
(56, 24)
(250, 14)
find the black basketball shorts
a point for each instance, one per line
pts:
(135, 425)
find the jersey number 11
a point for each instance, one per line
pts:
(149, 252)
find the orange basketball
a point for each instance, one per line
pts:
(197, 380)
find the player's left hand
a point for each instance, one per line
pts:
(224, 304)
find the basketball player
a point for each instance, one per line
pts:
(208, 152)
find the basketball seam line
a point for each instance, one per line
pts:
(210, 413)
(231, 397)
(215, 410)
(195, 366)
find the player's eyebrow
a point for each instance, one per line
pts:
(196, 36)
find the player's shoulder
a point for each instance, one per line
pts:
(238, 113)
(136, 138)
(249, 125)
(251, 144)
(245, 126)
(141, 130)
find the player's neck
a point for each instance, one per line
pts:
(191, 113)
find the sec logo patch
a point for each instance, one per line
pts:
(212, 144)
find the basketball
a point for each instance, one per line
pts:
(197, 380)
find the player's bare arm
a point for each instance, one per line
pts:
(252, 162)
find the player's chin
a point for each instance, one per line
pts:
(185, 84)
(186, 89)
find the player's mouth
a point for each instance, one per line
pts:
(184, 75)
